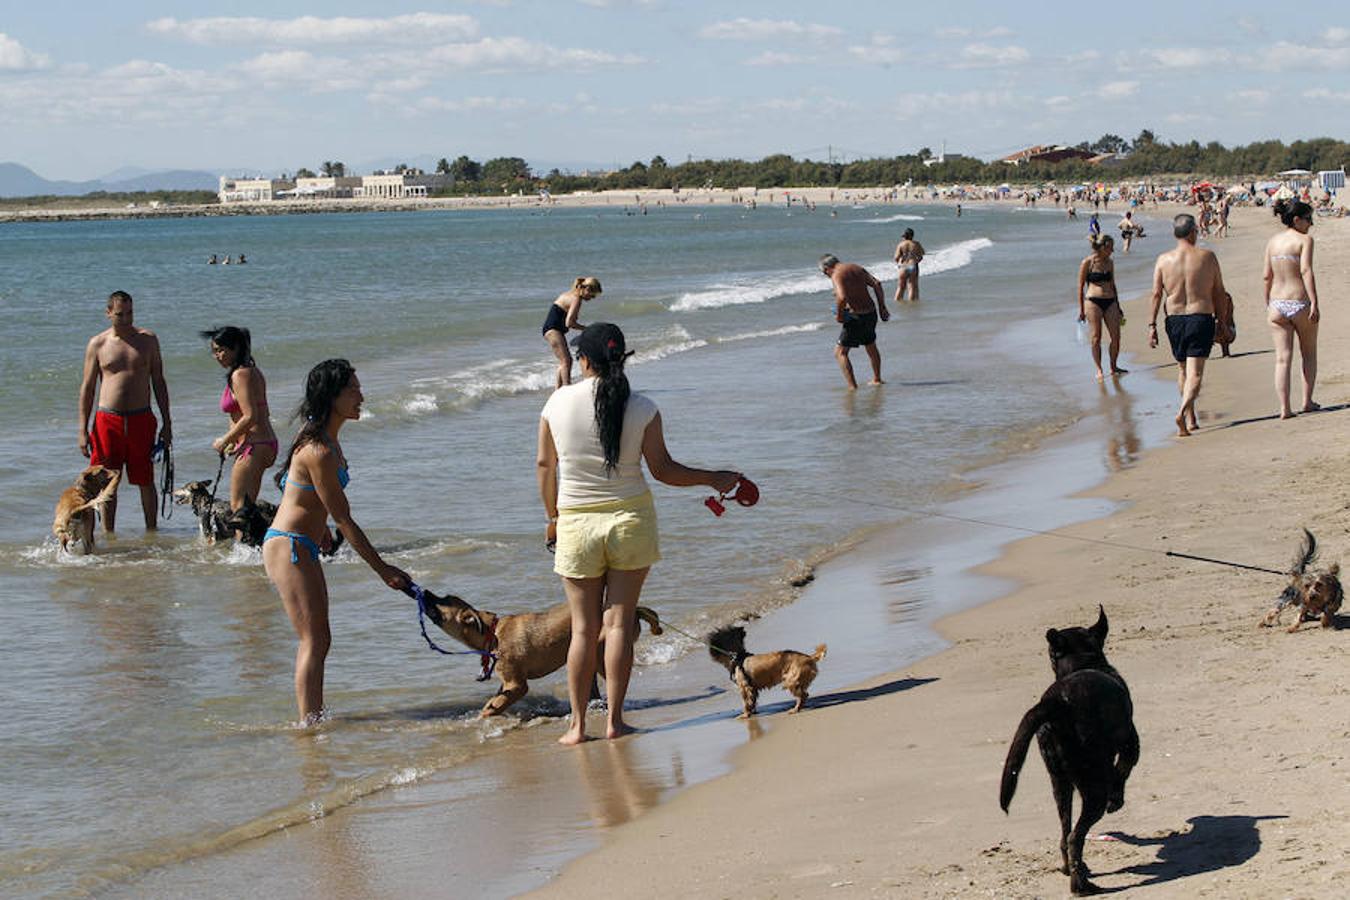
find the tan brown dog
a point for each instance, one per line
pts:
(75, 510)
(1316, 594)
(754, 672)
(528, 645)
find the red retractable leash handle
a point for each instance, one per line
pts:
(744, 493)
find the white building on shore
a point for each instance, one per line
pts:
(404, 185)
(251, 190)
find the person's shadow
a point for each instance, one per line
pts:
(1212, 843)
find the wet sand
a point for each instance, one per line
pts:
(1243, 776)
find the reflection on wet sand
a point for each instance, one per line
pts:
(337, 868)
(1122, 437)
(618, 786)
(868, 406)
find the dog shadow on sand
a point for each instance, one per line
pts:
(819, 701)
(1212, 843)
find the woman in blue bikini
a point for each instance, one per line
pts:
(313, 480)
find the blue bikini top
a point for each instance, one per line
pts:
(343, 479)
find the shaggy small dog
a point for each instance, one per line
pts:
(527, 645)
(1316, 594)
(74, 520)
(754, 672)
(219, 522)
(1085, 726)
(212, 515)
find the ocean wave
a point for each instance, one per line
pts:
(751, 289)
(772, 332)
(898, 217)
(472, 386)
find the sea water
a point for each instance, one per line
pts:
(147, 704)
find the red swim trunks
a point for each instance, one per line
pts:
(124, 439)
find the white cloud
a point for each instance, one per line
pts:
(773, 58)
(1059, 101)
(511, 54)
(619, 4)
(318, 74)
(1325, 94)
(956, 32)
(1115, 90)
(470, 104)
(908, 106)
(1336, 35)
(1284, 55)
(414, 28)
(1186, 118)
(1187, 57)
(15, 57)
(1252, 95)
(744, 29)
(975, 56)
(1084, 56)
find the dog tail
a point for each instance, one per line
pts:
(104, 496)
(819, 654)
(1040, 714)
(649, 616)
(1306, 554)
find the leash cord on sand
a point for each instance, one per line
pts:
(926, 513)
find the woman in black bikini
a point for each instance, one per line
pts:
(1097, 301)
(562, 317)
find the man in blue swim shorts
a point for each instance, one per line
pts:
(855, 309)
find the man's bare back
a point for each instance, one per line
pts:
(1190, 279)
(853, 288)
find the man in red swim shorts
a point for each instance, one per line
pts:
(121, 366)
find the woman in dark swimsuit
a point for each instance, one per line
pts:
(562, 317)
(1097, 301)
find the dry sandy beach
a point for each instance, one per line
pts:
(1243, 780)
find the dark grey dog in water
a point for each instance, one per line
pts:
(1085, 726)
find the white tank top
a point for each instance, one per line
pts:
(582, 480)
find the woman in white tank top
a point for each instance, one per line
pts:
(592, 438)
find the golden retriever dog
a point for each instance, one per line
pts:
(754, 672)
(75, 510)
(1316, 595)
(527, 645)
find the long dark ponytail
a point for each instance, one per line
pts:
(602, 345)
(322, 386)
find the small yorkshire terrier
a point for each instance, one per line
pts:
(753, 672)
(1316, 594)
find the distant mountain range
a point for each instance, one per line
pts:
(21, 181)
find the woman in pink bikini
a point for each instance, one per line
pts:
(250, 438)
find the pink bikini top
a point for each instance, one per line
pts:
(230, 405)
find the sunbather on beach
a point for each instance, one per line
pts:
(1291, 301)
(1190, 280)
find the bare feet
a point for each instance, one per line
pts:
(876, 381)
(573, 737)
(619, 730)
(1311, 406)
(1287, 414)
(1100, 376)
(1182, 431)
(1118, 371)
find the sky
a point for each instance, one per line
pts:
(91, 87)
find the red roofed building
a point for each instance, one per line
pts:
(1050, 153)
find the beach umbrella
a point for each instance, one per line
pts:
(1293, 173)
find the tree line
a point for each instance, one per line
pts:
(1143, 158)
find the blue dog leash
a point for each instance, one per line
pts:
(418, 593)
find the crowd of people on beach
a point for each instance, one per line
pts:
(594, 435)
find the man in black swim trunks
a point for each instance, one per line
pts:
(855, 310)
(1190, 279)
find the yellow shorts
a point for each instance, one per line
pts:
(618, 534)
